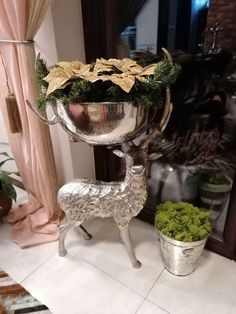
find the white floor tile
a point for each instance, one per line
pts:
(20, 263)
(150, 308)
(72, 286)
(107, 252)
(210, 289)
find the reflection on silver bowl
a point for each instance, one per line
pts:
(105, 123)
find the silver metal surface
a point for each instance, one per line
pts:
(179, 257)
(44, 119)
(13, 41)
(83, 198)
(105, 123)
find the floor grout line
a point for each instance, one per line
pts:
(145, 298)
(104, 272)
(150, 291)
(161, 308)
(37, 268)
(140, 306)
(155, 282)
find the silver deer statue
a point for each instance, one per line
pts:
(84, 198)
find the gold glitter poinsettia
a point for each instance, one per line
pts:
(120, 72)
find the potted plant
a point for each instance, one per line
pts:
(7, 190)
(183, 230)
(192, 152)
(214, 190)
(185, 156)
(105, 102)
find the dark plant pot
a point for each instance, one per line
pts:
(213, 197)
(5, 204)
(174, 183)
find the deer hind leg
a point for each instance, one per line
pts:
(86, 234)
(125, 238)
(63, 229)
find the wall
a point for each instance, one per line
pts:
(147, 27)
(64, 41)
(224, 13)
(69, 42)
(56, 41)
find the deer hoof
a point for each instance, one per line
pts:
(63, 253)
(137, 264)
(88, 237)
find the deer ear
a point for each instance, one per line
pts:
(118, 153)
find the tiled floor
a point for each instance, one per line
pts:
(95, 277)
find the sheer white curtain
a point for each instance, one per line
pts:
(34, 222)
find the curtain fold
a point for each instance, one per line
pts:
(34, 222)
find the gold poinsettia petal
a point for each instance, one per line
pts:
(149, 70)
(90, 76)
(73, 65)
(125, 82)
(126, 65)
(141, 79)
(102, 65)
(56, 78)
(126, 72)
(84, 70)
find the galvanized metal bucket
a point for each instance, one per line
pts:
(179, 257)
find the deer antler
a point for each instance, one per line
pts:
(163, 123)
(165, 118)
(142, 151)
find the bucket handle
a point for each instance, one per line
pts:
(188, 251)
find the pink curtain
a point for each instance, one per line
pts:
(34, 222)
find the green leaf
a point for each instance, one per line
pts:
(5, 154)
(3, 162)
(4, 173)
(9, 190)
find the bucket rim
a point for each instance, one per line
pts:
(181, 243)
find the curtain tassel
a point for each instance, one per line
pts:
(13, 113)
(12, 107)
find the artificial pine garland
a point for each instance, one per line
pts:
(78, 90)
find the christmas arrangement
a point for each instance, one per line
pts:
(105, 80)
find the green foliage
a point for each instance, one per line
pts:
(166, 73)
(80, 90)
(5, 183)
(41, 71)
(215, 178)
(182, 221)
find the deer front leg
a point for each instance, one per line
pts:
(63, 229)
(125, 237)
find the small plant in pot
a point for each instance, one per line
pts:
(214, 190)
(7, 190)
(183, 230)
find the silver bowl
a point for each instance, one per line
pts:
(105, 123)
